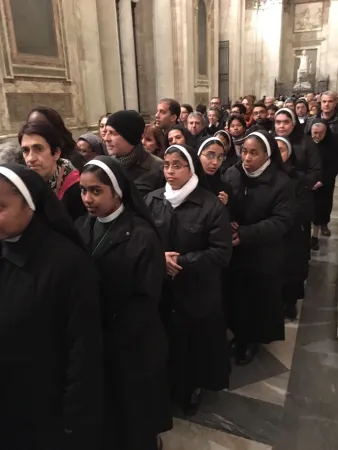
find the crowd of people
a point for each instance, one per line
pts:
(139, 262)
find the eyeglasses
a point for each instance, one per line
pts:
(174, 167)
(211, 156)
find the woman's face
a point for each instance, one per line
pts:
(236, 129)
(314, 110)
(176, 170)
(283, 125)
(271, 115)
(212, 158)
(283, 150)
(176, 137)
(212, 118)
(247, 104)
(149, 142)
(86, 150)
(15, 214)
(224, 141)
(253, 155)
(103, 130)
(289, 105)
(97, 197)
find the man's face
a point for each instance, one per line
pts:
(216, 102)
(163, 118)
(184, 114)
(195, 125)
(115, 143)
(269, 101)
(328, 104)
(38, 155)
(259, 114)
(301, 110)
(309, 97)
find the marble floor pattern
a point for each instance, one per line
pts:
(287, 399)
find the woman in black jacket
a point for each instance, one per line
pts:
(50, 338)
(263, 211)
(195, 231)
(304, 158)
(124, 242)
(230, 151)
(326, 144)
(295, 266)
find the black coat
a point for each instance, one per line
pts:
(50, 343)
(131, 264)
(199, 230)
(333, 123)
(147, 173)
(73, 202)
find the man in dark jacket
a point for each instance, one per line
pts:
(329, 102)
(123, 141)
(261, 121)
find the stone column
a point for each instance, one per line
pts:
(332, 46)
(163, 46)
(128, 55)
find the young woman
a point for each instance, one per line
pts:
(295, 266)
(50, 338)
(326, 144)
(90, 146)
(179, 135)
(102, 125)
(68, 145)
(263, 211)
(304, 158)
(212, 154)
(123, 240)
(248, 103)
(231, 157)
(195, 231)
(237, 126)
(153, 141)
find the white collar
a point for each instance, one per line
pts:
(259, 171)
(177, 197)
(113, 216)
(14, 239)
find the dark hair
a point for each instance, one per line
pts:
(273, 107)
(174, 106)
(68, 145)
(239, 118)
(240, 106)
(104, 115)
(305, 103)
(43, 129)
(260, 105)
(100, 174)
(201, 108)
(158, 135)
(187, 136)
(188, 107)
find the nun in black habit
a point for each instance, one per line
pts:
(50, 338)
(124, 242)
(231, 156)
(263, 211)
(195, 231)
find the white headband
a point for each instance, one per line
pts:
(186, 154)
(226, 133)
(288, 111)
(19, 184)
(286, 142)
(200, 150)
(110, 174)
(264, 139)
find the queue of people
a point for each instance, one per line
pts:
(138, 263)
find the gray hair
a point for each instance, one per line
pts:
(332, 94)
(10, 152)
(318, 125)
(196, 115)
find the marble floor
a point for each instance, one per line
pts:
(287, 399)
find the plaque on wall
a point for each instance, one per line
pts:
(308, 17)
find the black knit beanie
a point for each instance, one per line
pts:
(129, 124)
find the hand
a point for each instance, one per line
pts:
(172, 267)
(318, 185)
(223, 196)
(234, 226)
(235, 239)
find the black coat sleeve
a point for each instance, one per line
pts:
(73, 202)
(219, 248)
(280, 221)
(314, 167)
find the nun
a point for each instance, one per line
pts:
(121, 235)
(231, 156)
(295, 245)
(212, 154)
(50, 339)
(262, 212)
(195, 231)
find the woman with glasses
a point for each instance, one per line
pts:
(212, 154)
(195, 231)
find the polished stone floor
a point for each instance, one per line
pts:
(287, 399)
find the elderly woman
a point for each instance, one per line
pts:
(10, 152)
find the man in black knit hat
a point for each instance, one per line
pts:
(123, 141)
